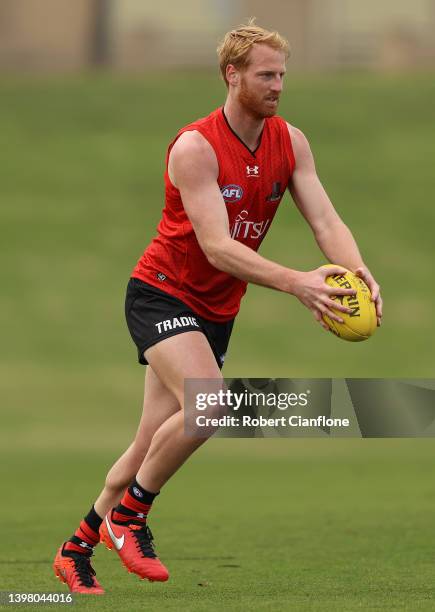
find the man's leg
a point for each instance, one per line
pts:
(158, 406)
(175, 359)
(186, 355)
(72, 564)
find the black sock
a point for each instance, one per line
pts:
(93, 519)
(141, 494)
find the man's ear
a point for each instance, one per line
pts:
(233, 75)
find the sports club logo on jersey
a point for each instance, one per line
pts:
(276, 194)
(252, 170)
(243, 227)
(232, 193)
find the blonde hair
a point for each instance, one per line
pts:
(235, 46)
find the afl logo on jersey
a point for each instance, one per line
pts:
(232, 193)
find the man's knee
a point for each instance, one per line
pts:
(116, 483)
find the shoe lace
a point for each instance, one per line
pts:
(84, 570)
(144, 540)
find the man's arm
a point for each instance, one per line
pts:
(332, 235)
(193, 169)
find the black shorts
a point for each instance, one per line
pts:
(153, 315)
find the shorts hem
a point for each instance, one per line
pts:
(175, 332)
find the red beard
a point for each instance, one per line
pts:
(255, 105)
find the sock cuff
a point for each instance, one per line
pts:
(131, 502)
(140, 494)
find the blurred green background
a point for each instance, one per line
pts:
(246, 524)
(81, 194)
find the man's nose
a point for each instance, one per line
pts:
(277, 83)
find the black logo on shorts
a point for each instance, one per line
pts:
(161, 276)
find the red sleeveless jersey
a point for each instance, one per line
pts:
(252, 185)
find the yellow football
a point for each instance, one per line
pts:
(359, 324)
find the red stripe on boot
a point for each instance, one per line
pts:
(118, 517)
(74, 547)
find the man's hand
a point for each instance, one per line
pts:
(366, 276)
(311, 289)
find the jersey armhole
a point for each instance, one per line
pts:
(193, 129)
(289, 147)
(168, 152)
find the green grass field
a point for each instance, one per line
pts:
(249, 524)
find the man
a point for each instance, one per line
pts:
(226, 175)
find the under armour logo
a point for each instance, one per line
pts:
(252, 170)
(141, 515)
